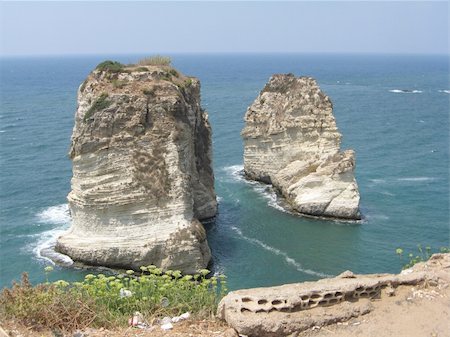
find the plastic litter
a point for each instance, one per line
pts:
(136, 319)
(182, 317)
(167, 326)
(125, 293)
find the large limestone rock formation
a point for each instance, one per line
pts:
(291, 140)
(142, 175)
(292, 308)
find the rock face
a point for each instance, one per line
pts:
(291, 141)
(291, 308)
(142, 175)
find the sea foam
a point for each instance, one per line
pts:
(45, 246)
(236, 173)
(289, 260)
(405, 91)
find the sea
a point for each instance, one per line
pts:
(393, 110)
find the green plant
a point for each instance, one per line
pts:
(174, 73)
(421, 256)
(156, 60)
(141, 69)
(108, 301)
(100, 103)
(83, 86)
(118, 84)
(110, 66)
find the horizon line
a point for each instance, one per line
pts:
(225, 53)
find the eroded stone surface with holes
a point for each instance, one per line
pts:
(291, 141)
(282, 310)
(142, 173)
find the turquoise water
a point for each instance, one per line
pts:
(401, 141)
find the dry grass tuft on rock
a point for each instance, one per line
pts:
(156, 60)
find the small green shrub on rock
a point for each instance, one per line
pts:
(100, 103)
(108, 301)
(421, 256)
(110, 66)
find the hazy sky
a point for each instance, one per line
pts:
(30, 28)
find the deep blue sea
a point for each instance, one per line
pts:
(401, 142)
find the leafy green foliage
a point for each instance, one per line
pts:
(110, 66)
(174, 73)
(99, 300)
(141, 69)
(422, 255)
(100, 103)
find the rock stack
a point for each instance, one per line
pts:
(291, 141)
(142, 172)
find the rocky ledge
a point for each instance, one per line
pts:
(292, 308)
(292, 142)
(142, 173)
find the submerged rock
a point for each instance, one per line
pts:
(291, 141)
(142, 173)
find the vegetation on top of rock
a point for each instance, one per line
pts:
(100, 103)
(110, 66)
(108, 301)
(156, 60)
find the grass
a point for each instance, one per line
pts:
(156, 60)
(97, 301)
(100, 103)
(422, 255)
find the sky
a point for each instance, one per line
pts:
(62, 28)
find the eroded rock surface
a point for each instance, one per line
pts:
(292, 308)
(142, 172)
(291, 141)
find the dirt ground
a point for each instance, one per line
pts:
(412, 312)
(422, 311)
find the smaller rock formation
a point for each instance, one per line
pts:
(142, 173)
(291, 141)
(292, 308)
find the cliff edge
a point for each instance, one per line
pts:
(142, 172)
(412, 303)
(291, 141)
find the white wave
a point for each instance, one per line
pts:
(378, 181)
(445, 91)
(236, 172)
(417, 179)
(270, 195)
(45, 245)
(377, 216)
(219, 199)
(1, 131)
(387, 193)
(55, 215)
(278, 252)
(405, 91)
